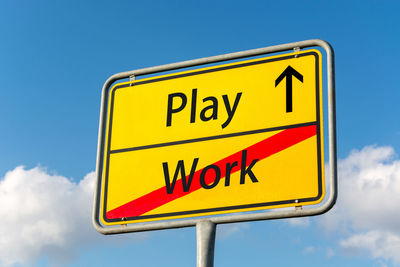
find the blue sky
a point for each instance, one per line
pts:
(55, 57)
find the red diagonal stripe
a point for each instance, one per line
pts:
(260, 150)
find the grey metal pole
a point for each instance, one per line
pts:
(205, 231)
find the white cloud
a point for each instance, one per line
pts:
(45, 215)
(384, 245)
(367, 210)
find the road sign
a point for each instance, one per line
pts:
(230, 138)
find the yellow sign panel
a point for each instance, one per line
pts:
(236, 137)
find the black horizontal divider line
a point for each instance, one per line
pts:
(212, 137)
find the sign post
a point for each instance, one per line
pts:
(217, 144)
(205, 231)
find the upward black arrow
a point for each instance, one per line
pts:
(288, 73)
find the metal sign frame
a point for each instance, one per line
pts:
(268, 215)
